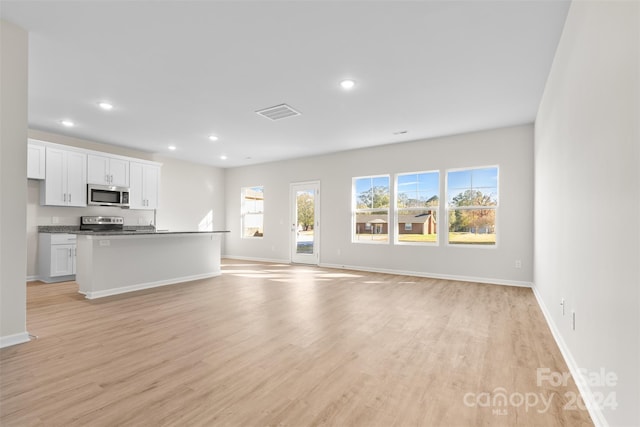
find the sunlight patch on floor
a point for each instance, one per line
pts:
(297, 281)
(338, 275)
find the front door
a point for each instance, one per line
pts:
(305, 224)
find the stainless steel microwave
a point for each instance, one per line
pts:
(107, 195)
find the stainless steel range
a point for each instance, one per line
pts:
(101, 223)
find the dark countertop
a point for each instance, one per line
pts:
(128, 231)
(139, 232)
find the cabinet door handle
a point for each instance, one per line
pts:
(64, 197)
(69, 252)
(111, 179)
(69, 197)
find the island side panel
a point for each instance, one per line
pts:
(84, 263)
(128, 263)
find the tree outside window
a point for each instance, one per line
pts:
(417, 205)
(472, 203)
(371, 200)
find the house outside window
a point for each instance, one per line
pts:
(472, 203)
(252, 212)
(417, 203)
(370, 211)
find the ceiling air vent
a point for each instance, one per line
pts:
(278, 112)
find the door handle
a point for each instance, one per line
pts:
(69, 197)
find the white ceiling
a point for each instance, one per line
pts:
(178, 71)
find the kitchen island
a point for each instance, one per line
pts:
(116, 262)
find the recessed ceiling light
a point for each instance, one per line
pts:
(347, 84)
(223, 157)
(105, 105)
(67, 123)
(171, 147)
(213, 137)
(400, 132)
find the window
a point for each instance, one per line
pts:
(472, 200)
(371, 209)
(252, 211)
(417, 204)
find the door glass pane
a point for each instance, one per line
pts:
(305, 206)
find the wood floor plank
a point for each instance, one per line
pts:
(282, 345)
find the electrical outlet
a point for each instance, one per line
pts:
(518, 263)
(339, 252)
(105, 242)
(55, 220)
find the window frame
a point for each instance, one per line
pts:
(495, 208)
(396, 209)
(244, 212)
(355, 211)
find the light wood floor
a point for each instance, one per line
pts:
(269, 344)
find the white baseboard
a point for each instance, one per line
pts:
(14, 339)
(33, 278)
(148, 285)
(247, 258)
(581, 382)
(400, 272)
(490, 281)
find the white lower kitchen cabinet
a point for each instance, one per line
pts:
(57, 257)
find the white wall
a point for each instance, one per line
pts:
(188, 192)
(586, 198)
(510, 148)
(13, 172)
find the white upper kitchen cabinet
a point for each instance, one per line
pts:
(65, 181)
(144, 186)
(107, 171)
(35, 160)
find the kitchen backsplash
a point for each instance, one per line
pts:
(71, 228)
